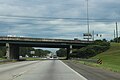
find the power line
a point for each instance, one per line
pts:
(55, 18)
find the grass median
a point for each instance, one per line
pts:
(33, 59)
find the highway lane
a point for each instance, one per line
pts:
(38, 70)
(11, 70)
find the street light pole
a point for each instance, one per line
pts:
(88, 20)
(93, 35)
(117, 32)
(114, 34)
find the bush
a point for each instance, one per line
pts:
(91, 50)
(61, 52)
(86, 52)
(2, 52)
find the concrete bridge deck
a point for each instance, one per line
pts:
(42, 40)
(13, 43)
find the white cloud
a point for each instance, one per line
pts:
(57, 28)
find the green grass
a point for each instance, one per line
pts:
(32, 59)
(110, 58)
(2, 59)
(9, 61)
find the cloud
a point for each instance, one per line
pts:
(58, 28)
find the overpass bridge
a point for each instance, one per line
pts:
(13, 43)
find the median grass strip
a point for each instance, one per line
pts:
(33, 59)
(110, 59)
(5, 61)
(2, 59)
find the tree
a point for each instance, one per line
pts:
(41, 53)
(38, 52)
(2, 52)
(115, 40)
(91, 50)
(26, 51)
(61, 52)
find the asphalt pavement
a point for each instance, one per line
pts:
(93, 73)
(53, 70)
(38, 70)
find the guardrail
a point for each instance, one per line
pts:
(43, 39)
(5, 61)
(98, 61)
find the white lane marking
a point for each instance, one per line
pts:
(17, 75)
(21, 73)
(74, 71)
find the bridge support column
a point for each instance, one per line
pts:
(12, 51)
(69, 51)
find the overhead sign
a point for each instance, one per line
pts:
(87, 36)
(32, 52)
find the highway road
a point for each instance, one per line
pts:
(38, 70)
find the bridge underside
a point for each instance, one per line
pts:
(12, 47)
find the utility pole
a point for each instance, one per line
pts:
(93, 35)
(116, 32)
(88, 21)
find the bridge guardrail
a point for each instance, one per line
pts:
(43, 39)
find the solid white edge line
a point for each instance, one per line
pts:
(74, 71)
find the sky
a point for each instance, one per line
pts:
(61, 19)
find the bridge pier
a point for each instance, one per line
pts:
(69, 51)
(12, 51)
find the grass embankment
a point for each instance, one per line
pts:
(110, 58)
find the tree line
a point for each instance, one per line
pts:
(88, 51)
(116, 40)
(23, 51)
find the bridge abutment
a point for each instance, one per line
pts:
(12, 51)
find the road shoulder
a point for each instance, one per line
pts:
(92, 73)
